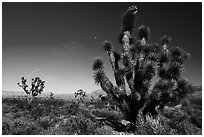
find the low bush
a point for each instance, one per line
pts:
(72, 125)
(21, 126)
(45, 122)
(5, 128)
(104, 130)
(153, 126)
(71, 108)
(79, 125)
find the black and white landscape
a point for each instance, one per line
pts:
(101, 68)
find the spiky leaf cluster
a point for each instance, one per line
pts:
(99, 76)
(179, 55)
(163, 90)
(184, 88)
(23, 85)
(149, 71)
(97, 64)
(37, 86)
(107, 46)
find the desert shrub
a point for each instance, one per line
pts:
(52, 105)
(80, 125)
(18, 114)
(186, 121)
(153, 126)
(53, 131)
(41, 107)
(5, 128)
(14, 104)
(6, 124)
(7, 108)
(194, 113)
(37, 111)
(88, 114)
(71, 125)
(99, 104)
(45, 122)
(70, 108)
(184, 127)
(20, 126)
(104, 130)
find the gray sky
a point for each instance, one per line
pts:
(58, 41)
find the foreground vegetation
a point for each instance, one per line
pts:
(51, 116)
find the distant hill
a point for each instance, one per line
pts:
(98, 92)
(196, 97)
(64, 96)
(11, 94)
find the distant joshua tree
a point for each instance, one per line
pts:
(80, 95)
(136, 67)
(51, 95)
(37, 86)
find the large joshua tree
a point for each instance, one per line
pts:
(135, 69)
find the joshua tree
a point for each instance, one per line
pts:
(37, 86)
(135, 69)
(51, 96)
(80, 95)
